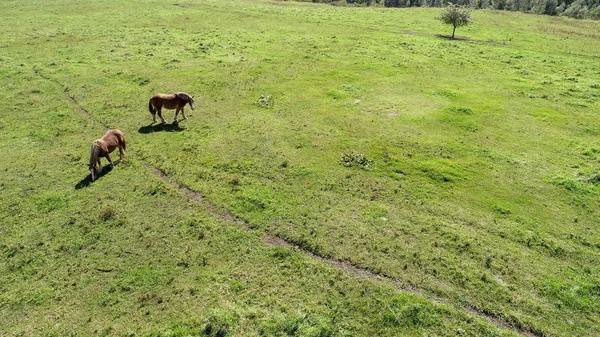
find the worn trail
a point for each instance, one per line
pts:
(71, 99)
(364, 273)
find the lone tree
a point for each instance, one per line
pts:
(456, 16)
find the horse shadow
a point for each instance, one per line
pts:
(85, 182)
(151, 128)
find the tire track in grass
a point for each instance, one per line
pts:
(226, 216)
(364, 273)
(71, 99)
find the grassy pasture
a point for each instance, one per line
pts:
(482, 191)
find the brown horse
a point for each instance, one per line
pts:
(169, 101)
(103, 146)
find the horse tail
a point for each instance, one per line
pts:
(122, 140)
(150, 106)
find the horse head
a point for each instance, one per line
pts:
(97, 146)
(186, 98)
(93, 171)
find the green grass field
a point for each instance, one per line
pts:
(473, 212)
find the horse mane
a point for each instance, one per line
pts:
(94, 153)
(184, 96)
(97, 146)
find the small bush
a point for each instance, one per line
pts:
(264, 101)
(460, 110)
(355, 159)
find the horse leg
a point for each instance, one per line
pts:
(176, 112)
(152, 109)
(99, 166)
(183, 114)
(161, 117)
(110, 161)
(121, 152)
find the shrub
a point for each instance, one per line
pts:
(355, 159)
(393, 3)
(578, 10)
(264, 101)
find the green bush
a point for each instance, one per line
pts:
(356, 159)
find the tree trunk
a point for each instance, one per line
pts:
(453, 30)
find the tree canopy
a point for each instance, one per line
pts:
(456, 16)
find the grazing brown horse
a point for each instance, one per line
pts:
(169, 101)
(103, 146)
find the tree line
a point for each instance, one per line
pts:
(579, 9)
